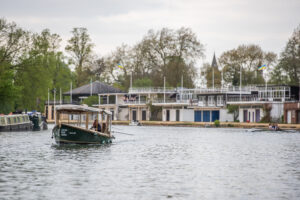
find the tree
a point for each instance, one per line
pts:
(210, 73)
(288, 69)
(164, 53)
(80, 48)
(13, 43)
(245, 58)
(42, 68)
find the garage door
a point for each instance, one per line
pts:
(197, 116)
(215, 115)
(206, 116)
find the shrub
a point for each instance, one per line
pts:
(217, 123)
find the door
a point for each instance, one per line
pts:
(177, 115)
(112, 114)
(197, 116)
(206, 116)
(298, 117)
(144, 115)
(289, 117)
(215, 115)
(257, 115)
(168, 115)
(134, 115)
(245, 115)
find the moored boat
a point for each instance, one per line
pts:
(66, 131)
(16, 122)
(38, 121)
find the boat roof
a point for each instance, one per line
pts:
(80, 108)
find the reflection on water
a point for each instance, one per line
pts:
(153, 163)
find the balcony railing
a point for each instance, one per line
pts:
(151, 90)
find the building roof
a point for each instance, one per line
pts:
(214, 62)
(80, 109)
(97, 88)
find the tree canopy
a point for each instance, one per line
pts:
(288, 69)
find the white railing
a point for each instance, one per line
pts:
(138, 90)
(134, 102)
(219, 90)
(246, 99)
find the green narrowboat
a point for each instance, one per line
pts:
(16, 122)
(69, 127)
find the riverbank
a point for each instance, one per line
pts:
(205, 124)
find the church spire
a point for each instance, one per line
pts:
(214, 63)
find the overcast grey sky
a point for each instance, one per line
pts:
(219, 24)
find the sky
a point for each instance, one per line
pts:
(220, 25)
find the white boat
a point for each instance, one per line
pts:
(134, 123)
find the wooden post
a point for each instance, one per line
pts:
(97, 122)
(87, 121)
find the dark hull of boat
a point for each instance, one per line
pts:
(16, 127)
(76, 135)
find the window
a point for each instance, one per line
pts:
(220, 101)
(211, 101)
(2, 120)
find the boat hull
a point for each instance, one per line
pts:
(76, 135)
(16, 127)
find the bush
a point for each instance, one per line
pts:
(230, 125)
(90, 100)
(217, 123)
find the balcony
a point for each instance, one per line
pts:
(151, 90)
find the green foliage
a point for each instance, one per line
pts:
(91, 100)
(155, 111)
(267, 113)
(143, 82)
(9, 92)
(233, 109)
(210, 73)
(245, 58)
(217, 123)
(288, 69)
(80, 49)
(30, 64)
(164, 53)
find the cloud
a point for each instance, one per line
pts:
(220, 25)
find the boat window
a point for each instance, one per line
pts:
(15, 120)
(2, 120)
(18, 119)
(24, 120)
(8, 120)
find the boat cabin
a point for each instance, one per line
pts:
(88, 125)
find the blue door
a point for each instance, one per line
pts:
(215, 115)
(206, 116)
(197, 116)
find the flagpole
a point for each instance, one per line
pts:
(48, 104)
(71, 94)
(213, 78)
(91, 87)
(60, 96)
(241, 83)
(164, 89)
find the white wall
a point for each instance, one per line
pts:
(252, 112)
(277, 111)
(225, 116)
(187, 115)
(123, 114)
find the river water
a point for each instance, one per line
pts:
(153, 163)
